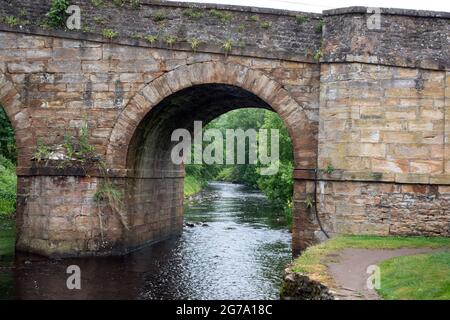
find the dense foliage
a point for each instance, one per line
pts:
(277, 187)
(7, 141)
(8, 179)
(56, 16)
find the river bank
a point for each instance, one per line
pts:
(336, 269)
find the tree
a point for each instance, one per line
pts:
(7, 140)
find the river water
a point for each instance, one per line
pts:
(235, 246)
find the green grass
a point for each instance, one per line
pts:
(313, 260)
(191, 186)
(418, 277)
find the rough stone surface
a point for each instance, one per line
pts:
(405, 38)
(384, 208)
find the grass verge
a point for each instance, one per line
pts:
(418, 277)
(313, 260)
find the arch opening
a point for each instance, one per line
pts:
(149, 150)
(155, 183)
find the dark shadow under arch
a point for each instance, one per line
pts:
(155, 183)
(149, 150)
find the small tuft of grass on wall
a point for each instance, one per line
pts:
(118, 3)
(195, 43)
(170, 40)
(98, 3)
(135, 4)
(227, 46)
(151, 39)
(223, 16)
(329, 169)
(265, 24)
(137, 36)
(319, 26)
(159, 16)
(109, 34)
(14, 21)
(301, 19)
(193, 14)
(100, 20)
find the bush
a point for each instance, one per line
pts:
(8, 185)
(7, 141)
(56, 16)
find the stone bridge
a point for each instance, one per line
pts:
(367, 109)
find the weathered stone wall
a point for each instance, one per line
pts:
(382, 127)
(50, 86)
(253, 31)
(407, 38)
(384, 131)
(384, 208)
(384, 123)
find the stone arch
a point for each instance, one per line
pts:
(155, 197)
(19, 118)
(303, 131)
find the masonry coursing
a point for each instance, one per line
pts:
(375, 108)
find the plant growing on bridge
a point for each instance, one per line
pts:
(56, 16)
(100, 20)
(319, 52)
(11, 21)
(170, 40)
(227, 46)
(318, 55)
(42, 152)
(300, 19)
(75, 151)
(137, 36)
(109, 34)
(98, 3)
(80, 148)
(195, 43)
(309, 202)
(221, 15)
(265, 24)
(159, 16)
(135, 4)
(319, 26)
(193, 14)
(113, 196)
(151, 39)
(118, 3)
(329, 169)
(86, 29)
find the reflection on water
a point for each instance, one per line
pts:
(238, 252)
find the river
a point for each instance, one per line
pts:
(234, 246)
